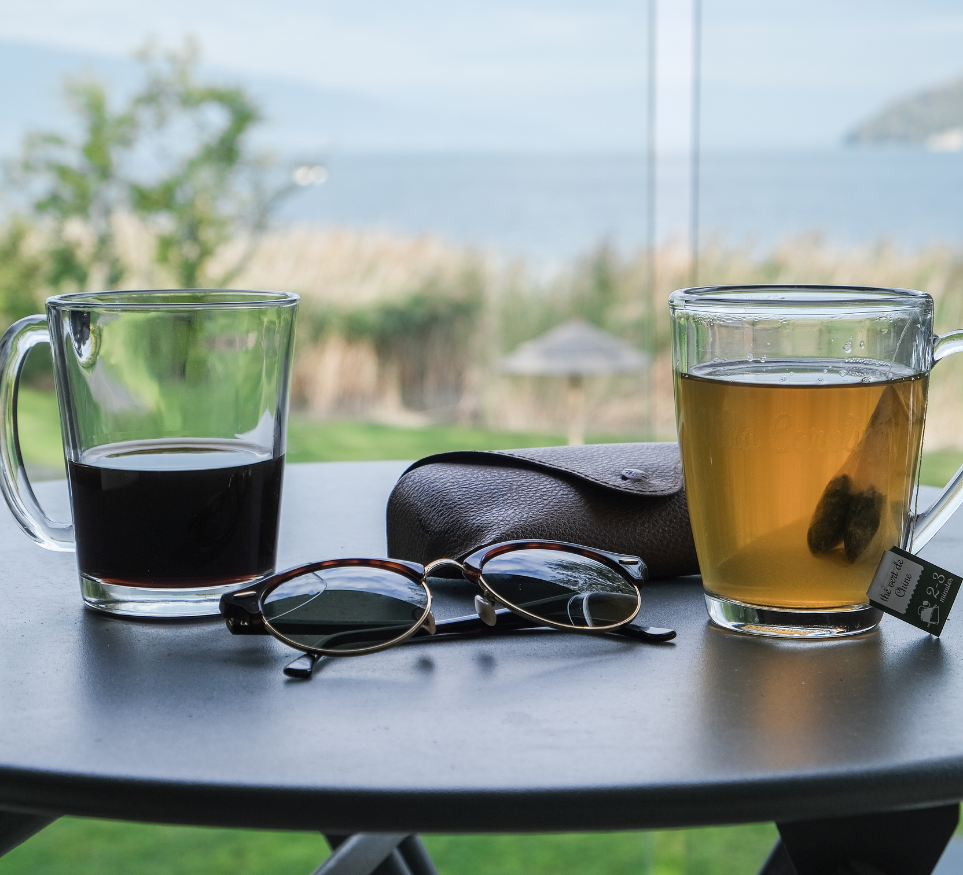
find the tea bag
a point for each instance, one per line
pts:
(850, 508)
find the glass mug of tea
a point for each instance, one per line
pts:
(173, 412)
(800, 413)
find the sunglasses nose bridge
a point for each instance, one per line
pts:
(438, 563)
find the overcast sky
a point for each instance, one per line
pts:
(551, 73)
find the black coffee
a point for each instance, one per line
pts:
(185, 513)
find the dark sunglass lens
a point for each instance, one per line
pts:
(566, 588)
(345, 608)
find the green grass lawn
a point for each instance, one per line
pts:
(308, 440)
(939, 465)
(344, 441)
(74, 846)
(86, 847)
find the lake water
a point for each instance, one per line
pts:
(553, 207)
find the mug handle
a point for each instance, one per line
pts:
(931, 520)
(19, 339)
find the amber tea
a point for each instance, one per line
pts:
(799, 474)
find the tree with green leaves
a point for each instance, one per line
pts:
(216, 189)
(177, 155)
(21, 272)
(78, 186)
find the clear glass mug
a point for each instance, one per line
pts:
(173, 412)
(800, 412)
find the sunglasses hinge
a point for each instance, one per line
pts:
(237, 626)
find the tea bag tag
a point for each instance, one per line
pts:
(913, 590)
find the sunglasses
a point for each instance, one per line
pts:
(350, 607)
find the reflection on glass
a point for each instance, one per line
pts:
(565, 588)
(345, 608)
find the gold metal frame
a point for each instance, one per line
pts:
(479, 578)
(426, 619)
(471, 574)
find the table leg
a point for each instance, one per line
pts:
(416, 856)
(15, 829)
(376, 854)
(778, 862)
(887, 843)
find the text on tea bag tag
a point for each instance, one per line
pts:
(913, 590)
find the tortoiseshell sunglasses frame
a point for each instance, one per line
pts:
(243, 608)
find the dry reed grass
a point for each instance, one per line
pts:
(340, 375)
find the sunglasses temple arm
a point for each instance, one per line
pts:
(302, 667)
(651, 634)
(508, 622)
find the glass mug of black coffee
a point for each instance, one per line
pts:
(800, 412)
(173, 412)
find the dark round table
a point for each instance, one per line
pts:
(181, 722)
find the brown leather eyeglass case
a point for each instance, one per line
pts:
(623, 498)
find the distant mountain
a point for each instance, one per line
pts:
(932, 118)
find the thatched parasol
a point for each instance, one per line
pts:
(574, 350)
